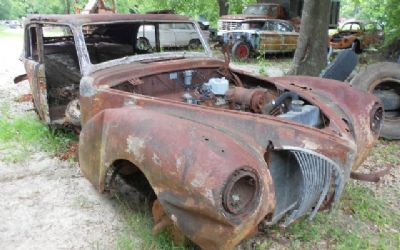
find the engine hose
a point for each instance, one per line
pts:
(278, 101)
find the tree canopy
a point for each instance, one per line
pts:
(195, 8)
(386, 12)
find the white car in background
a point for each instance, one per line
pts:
(172, 35)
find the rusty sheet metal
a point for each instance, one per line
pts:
(215, 169)
(37, 82)
(371, 177)
(278, 42)
(362, 107)
(20, 78)
(192, 180)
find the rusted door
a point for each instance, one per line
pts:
(35, 68)
(278, 37)
(278, 42)
(373, 34)
(270, 42)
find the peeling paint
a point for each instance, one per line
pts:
(156, 159)
(135, 146)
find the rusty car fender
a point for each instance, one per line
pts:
(356, 108)
(197, 163)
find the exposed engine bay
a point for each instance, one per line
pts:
(225, 90)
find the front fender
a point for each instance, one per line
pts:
(188, 165)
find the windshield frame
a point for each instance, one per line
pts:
(88, 68)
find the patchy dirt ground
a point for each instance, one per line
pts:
(46, 203)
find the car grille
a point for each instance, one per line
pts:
(319, 175)
(224, 25)
(310, 181)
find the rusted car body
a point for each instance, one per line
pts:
(250, 12)
(359, 34)
(260, 36)
(224, 151)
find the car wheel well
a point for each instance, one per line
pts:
(194, 43)
(132, 175)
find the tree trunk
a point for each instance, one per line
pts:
(310, 57)
(67, 7)
(223, 7)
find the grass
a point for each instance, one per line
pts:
(138, 226)
(10, 33)
(24, 134)
(386, 152)
(360, 221)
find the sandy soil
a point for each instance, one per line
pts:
(46, 203)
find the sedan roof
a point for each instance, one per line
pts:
(78, 19)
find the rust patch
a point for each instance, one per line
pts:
(24, 98)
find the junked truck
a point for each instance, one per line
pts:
(290, 10)
(221, 152)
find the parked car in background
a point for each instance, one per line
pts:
(218, 152)
(277, 9)
(260, 36)
(357, 34)
(254, 11)
(12, 24)
(172, 35)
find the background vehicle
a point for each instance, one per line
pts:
(274, 9)
(221, 152)
(255, 11)
(171, 35)
(262, 36)
(359, 34)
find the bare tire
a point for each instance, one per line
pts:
(240, 51)
(143, 44)
(383, 80)
(194, 44)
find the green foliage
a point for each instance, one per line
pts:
(5, 6)
(195, 8)
(22, 135)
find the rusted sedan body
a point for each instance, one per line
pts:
(359, 34)
(224, 151)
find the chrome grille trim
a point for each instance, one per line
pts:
(319, 173)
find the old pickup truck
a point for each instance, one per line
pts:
(221, 152)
